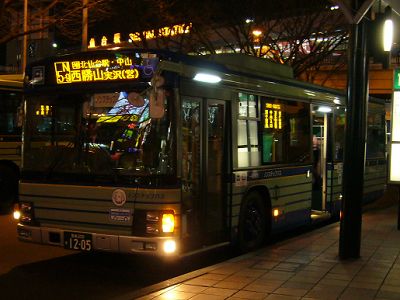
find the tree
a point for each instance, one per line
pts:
(302, 34)
(62, 15)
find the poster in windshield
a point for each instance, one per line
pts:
(111, 135)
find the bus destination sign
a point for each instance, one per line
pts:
(273, 116)
(99, 70)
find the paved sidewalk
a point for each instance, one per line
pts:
(304, 267)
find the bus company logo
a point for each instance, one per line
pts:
(273, 173)
(118, 197)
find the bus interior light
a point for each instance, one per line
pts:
(209, 78)
(324, 109)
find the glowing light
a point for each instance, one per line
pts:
(273, 116)
(168, 223)
(209, 78)
(169, 246)
(92, 43)
(257, 32)
(104, 41)
(324, 109)
(387, 35)
(95, 70)
(54, 45)
(17, 214)
(117, 38)
(167, 31)
(276, 212)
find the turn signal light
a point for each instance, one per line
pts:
(17, 213)
(168, 222)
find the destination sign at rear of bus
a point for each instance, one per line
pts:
(98, 70)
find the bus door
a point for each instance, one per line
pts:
(319, 172)
(204, 167)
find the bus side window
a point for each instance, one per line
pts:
(247, 135)
(285, 131)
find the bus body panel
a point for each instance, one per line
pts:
(11, 151)
(289, 192)
(11, 108)
(60, 208)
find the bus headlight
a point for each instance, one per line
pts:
(168, 222)
(160, 222)
(17, 212)
(169, 246)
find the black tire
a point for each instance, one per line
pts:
(8, 188)
(252, 223)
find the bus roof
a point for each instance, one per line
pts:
(246, 63)
(227, 64)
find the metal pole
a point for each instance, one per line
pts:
(25, 37)
(398, 209)
(84, 24)
(355, 142)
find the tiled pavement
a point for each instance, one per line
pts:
(304, 267)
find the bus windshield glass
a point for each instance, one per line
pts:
(97, 136)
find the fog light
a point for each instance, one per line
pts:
(169, 246)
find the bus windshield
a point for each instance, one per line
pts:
(97, 136)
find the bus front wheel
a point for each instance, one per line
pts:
(252, 223)
(8, 188)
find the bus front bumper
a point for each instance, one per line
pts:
(158, 246)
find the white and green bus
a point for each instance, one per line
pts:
(11, 86)
(159, 153)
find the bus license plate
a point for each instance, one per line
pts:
(78, 241)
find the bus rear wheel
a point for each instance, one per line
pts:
(252, 223)
(8, 188)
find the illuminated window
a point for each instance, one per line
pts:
(248, 150)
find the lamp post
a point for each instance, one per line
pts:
(388, 30)
(84, 24)
(25, 37)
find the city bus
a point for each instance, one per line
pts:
(11, 108)
(165, 154)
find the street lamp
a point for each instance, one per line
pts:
(388, 30)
